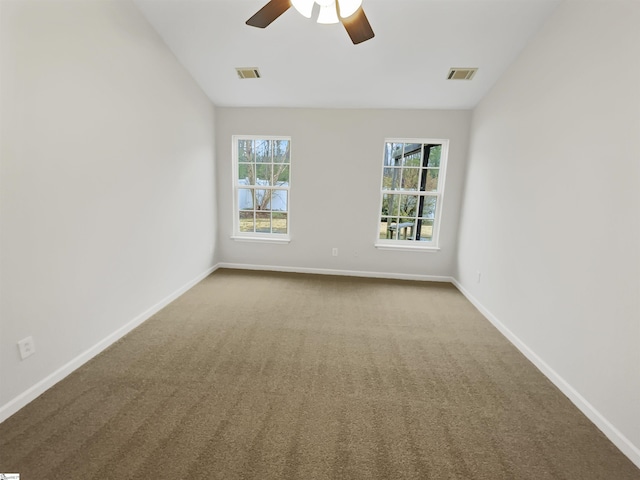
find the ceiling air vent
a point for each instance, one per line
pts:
(461, 73)
(248, 73)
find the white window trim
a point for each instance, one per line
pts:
(433, 246)
(254, 237)
(260, 239)
(401, 245)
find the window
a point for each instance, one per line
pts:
(262, 172)
(411, 195)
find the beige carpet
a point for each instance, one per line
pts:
(281, 376)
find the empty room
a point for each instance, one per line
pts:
(297, 239)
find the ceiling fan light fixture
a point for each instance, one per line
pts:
(347, 12)
(304, 7)
(328, 14)
(348, 7)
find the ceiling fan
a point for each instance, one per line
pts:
(348, 12)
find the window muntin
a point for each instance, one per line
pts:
(411, 192)
(262, 178)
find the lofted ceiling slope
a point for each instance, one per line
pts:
(305, 64)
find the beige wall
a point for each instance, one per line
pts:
(106, 183)
(551, 215)
(335, 191)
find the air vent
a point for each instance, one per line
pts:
(461, 73)
(248, 73)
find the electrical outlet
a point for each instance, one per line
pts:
(334, 252)
(26, 347)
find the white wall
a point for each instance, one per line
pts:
(107, 183)
(335, 186)
(551, 209)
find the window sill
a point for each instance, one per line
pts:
(413, 248)
(277, 240)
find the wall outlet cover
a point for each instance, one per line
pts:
(27, 347)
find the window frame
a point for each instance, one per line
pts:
(432, 245)
(261, 237)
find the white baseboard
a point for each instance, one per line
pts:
(612, 433)
(43, 385)
(344, 273)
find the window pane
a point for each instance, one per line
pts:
(263, 222)
(434, 156)
(394, 156)
(281, 152)
(279, 223)
(245, 199)
(390, 204)
(245, 150)
(279, 199)
(432, 180)
(410, 177)
(406, 228)
(412, 155)
(391, 178)
(429, 208)
(391, 227)
(281, 175)
(263, 199)
(263, 151)
(426, 230)
(263, 174)
(388, 155)
(408, 205)
(246, 173)
(383, 228)
(246, 222)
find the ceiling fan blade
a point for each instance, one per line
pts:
(269, 13)
(358, 27)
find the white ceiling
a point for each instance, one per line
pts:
(304, 64)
